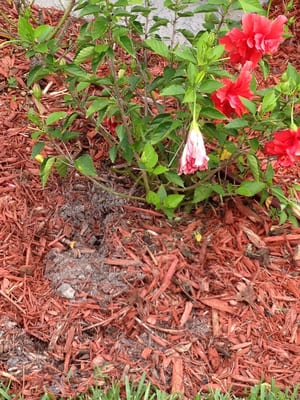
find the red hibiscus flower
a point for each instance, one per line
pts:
(286, 146)
(258, 36)
(227, 98)
(194, 156)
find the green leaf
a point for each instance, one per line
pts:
(36, 149)
(113, 152)
(158, 47)
(250, 105)
(41, 48)
(173, 200)
(42, 32)
(37, 73)
(186, 53)
(67, 136)
(99, 28)
(84, 164)
(153, 198)
(236, 124)
(25, 30)
(46, 168)
(82, 86)
(265, 67)
(61, 166)
(83, 54)
(160, 169)
(282, 217)
(97, 105)
(253, 164)
(89, 9)
(209, 86)
(75, 70)
(252, 6)
(149, 157)
(173, 90)
(278, 192)
(269, 102)
(188, 96)
(126, 43)
(202, 192)
(206, 8)
(173, 177)
(55, 116)
(210, 112)
(269, 174)
(250, 188)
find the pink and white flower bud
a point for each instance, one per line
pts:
(194, 156)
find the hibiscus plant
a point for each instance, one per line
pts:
(185, 120)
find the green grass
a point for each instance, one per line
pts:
(144, 391)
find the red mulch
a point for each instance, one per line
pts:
(222, 312)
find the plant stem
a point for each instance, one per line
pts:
(119, 194)
(63, 19)
(124, 118)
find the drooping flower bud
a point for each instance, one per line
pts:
(194, 156)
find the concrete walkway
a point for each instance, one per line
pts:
(193, 23)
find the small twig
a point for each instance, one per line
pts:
(119, 194)
(12, 301)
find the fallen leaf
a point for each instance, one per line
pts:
(246, 293)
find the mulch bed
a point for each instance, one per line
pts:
(147, 295)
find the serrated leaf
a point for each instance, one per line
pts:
(126, 43)
(202, 192)
(99, 28)
(61, 166)
(84, 54)
(149, 157)
(37, 73)
(186, 53)
(173, 200)
(97, 105)
(84, 164)
(158, 47)
(253, 164)
(66, 136)
(42, 32)
(25, 29)
(250, 188)
(75, 70)
(46, 168)
(173, 177)
(82, 86)
(160, 169)
(55, 116)
(113, 152)
(153, 198)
